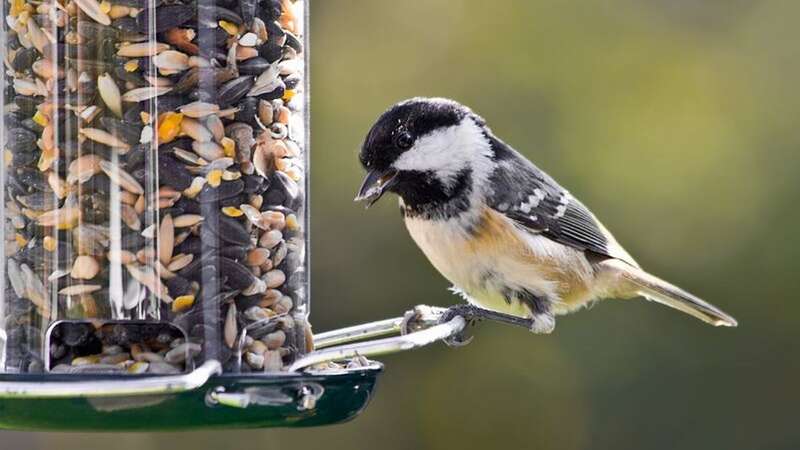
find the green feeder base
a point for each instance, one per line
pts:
(230, 401)
(205, 397)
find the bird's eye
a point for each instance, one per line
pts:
(404, 140)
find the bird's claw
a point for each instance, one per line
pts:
(468, 313)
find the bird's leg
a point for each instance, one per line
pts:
(472, 314)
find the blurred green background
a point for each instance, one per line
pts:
(674, 120)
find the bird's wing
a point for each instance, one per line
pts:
(536, 202)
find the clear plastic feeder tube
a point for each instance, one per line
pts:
(154, 185)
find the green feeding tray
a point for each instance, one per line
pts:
(255, 401)
(314, 391)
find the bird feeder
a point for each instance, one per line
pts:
(155, 215)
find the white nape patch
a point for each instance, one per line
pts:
(448, 151)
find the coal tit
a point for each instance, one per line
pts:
(506, 234)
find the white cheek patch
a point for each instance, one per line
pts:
(448, 151)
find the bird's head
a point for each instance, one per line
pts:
(425, 150)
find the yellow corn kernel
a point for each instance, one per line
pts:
(7, 157)
(214, 177)
(169, 127)
(105, 6)
(182, 303)
(288, 95)
(21, 241)
(228, 146)
(40, 119)
(229, 27)
(292, 223)
(17, 6)
(232, 211)
(145, 116)
(50, 243)
(132, 65)
(194, 189)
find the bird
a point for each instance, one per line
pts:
(515, 244)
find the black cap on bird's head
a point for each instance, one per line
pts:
(417, 143)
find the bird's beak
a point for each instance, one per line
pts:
(375, 184)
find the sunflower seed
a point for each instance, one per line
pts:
(172, 173)
(166, 17)
(233, 90)
(229, 230)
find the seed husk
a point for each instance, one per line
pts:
(275, 278)
(216, 127)
(130, 217)
(80, 289)
(85, 268)
(145, 93)
(93, 10)
(110, 94)
(166, 239)
(196, 130)
(121, 177)
(182, 38)
(63, 219)
(147, 277)
(231, 327)
(171, 60)
(180, 261)
(198, 110)
(208, 150)
(105, 138)
(142, 49)
(187, 220)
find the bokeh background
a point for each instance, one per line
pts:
(676, 121)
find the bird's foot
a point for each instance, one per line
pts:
(473, 314)
(469, 314)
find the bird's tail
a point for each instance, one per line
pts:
(653, 288)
